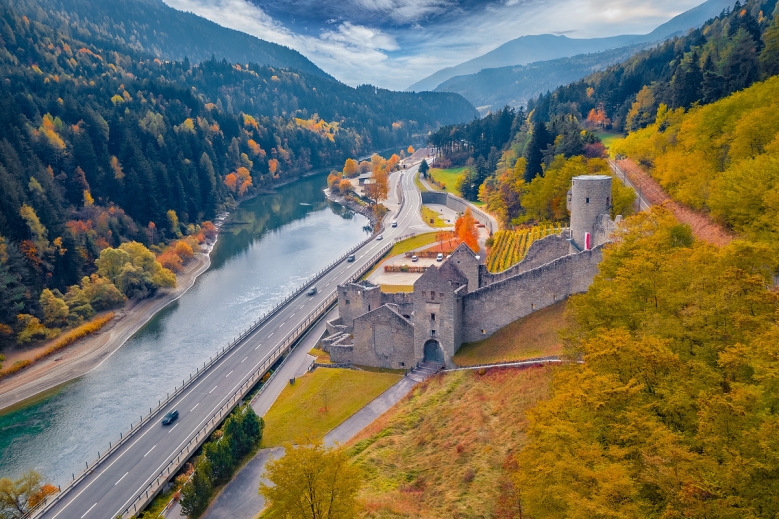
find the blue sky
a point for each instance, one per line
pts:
(394, 43)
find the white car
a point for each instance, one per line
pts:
(440, 257)
(379, 237)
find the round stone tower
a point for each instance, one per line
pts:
(589, 197)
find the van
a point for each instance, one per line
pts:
(394, 223)
(440, 257)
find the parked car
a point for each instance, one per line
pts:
(170, 417)
(414, 259)
(394, 224)
(379, 237)
(350, 258)
(440, 257)
(311, 291)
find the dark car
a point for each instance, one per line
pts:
(350, 258)
(170, 417)
(311, 291)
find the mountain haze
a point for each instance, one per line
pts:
(544, 47)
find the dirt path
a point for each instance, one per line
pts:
(85, 355)
(703, 226)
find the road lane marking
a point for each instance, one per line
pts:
(120, 479)
(258, 347)
(171, 429)
(244, 359)
(271, 335)
(194, 407)
(90, 509)
(149, 451)
(282, 324)
(293, 315)
(212, 390)
(231, 372)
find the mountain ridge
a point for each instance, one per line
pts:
(547, 47)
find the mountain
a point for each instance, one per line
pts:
(493, 88)
(152, 27)
(544, 47)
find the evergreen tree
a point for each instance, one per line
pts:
(539, 140)
(713, 83)
(687, 83)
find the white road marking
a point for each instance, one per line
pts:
(120, 479)
(244, 359)
(149, 451)
(258, 347)
(90, 509)
(212, 390)
(282, 324)
(271, 335)
(171, 429)
(231, 372)
(194, 407)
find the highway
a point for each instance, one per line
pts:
(125, 473)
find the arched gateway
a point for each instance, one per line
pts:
(433, 352)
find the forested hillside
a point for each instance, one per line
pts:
(722, 158)
(727, 54)
(153, 28)
(493, 88)
(104, 145)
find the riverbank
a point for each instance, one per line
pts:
(85, 355)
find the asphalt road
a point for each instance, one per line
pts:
(126, 472)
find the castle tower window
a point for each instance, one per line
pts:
(484, 332)
(369, 308)
(588, 200)
(441, 294)
(607, 200)
(347, 301)
(432, 317)
(432, 332)
(432, 295)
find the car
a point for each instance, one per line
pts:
(440, 257)
(350, 258)
(170, 417)
(311, 291)
(414, 259)
(379, 237)
(394, 224)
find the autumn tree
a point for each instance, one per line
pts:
(351, 168)
(241, 180)
(18, 496)
(466, 230)
(311, 482)
(134, 270)
(410, 150)
(55, 310)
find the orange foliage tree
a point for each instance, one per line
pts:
(239, 181)
(351, 168)
(466, 230)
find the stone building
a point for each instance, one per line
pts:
(461, 301)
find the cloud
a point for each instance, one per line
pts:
(435, 34)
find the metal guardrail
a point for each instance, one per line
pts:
(48, 502)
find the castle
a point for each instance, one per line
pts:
(461, 302)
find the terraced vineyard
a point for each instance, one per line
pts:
(510, 247)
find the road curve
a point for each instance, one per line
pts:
(125, 473)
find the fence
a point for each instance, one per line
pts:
(124, 436)
(642, 203)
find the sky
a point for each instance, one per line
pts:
(395, 43)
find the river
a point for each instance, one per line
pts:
(267, 248)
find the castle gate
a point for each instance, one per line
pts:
(433, 352)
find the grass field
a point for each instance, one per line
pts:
(440, 451)
(448, 177)
(428, 214)
(533, 336)
(320, 401)
(420, 186)
(404, 246)
(607, 138)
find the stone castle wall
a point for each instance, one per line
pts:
(384, 339)
(541, 252)
(490, 308)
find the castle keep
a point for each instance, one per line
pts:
(461, 301)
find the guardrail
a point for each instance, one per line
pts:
(643, 204)
(48, 502)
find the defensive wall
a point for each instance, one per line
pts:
(492, 307)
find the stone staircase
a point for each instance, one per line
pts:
(424, 371)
